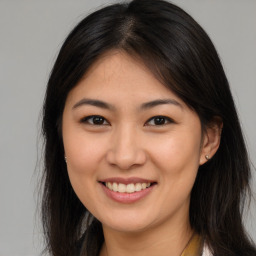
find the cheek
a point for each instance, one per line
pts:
(81, 166)
(83, 159)
(177, 152)
(83, 152)
(176, 159)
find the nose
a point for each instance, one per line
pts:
(126, 150)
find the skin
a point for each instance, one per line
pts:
(130, 143)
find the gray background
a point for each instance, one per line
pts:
(31, 33)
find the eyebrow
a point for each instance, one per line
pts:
(144, 106)
(158, 102)
(94, 102)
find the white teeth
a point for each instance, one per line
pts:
(121, 188)
(109, 185)
(114, 187)
(129, 188)
(138, 187)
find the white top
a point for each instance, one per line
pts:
(206, 251)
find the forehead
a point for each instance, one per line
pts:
(118, 74)
(118, 65)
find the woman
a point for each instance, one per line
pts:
(144, 153)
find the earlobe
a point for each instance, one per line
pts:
(211, 140)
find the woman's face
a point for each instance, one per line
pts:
(133, 148)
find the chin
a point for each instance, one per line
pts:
(127, 227)
(127, 223)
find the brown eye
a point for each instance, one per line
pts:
(159, 120)
(95, 120)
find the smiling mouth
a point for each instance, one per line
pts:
(127, 188)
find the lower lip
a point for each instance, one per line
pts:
(127, 198)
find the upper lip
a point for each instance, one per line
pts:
(126, 181)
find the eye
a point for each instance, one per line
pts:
(159, 120)
(95, 120)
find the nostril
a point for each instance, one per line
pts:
(126, 158)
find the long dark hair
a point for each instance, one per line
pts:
(181, 55)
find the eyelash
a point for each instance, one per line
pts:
(167, 120)
(94, 118)
(102, 121)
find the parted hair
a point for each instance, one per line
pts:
(182, 57)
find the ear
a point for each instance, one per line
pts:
(211, 140)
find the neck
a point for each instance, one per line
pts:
(163, 240)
